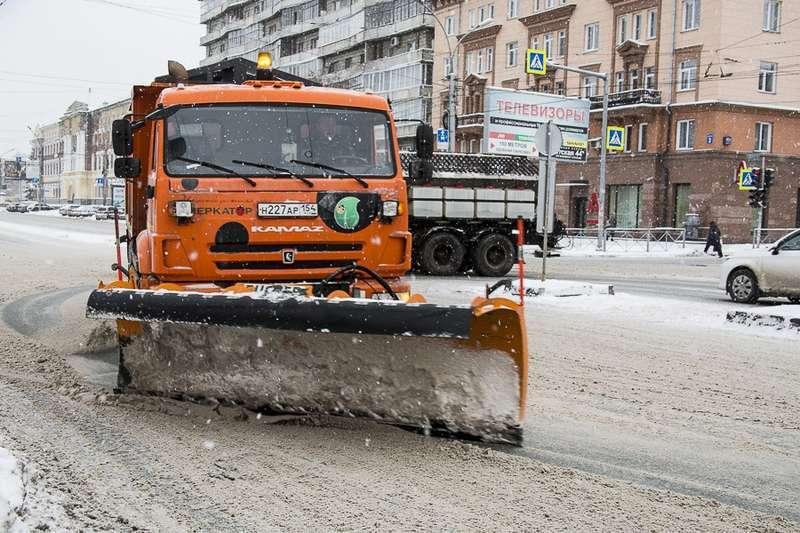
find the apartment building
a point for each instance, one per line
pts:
(74, 153)
(698, 86)
(381, 46)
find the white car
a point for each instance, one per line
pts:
(764, 272)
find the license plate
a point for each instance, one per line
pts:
(288, 209)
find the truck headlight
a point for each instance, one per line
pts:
(183, 209)
(390, 208)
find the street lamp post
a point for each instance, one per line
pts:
(601, 196)
(451, 74)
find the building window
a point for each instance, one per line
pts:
(472, 18)
(650, 78)
(766, 77)
(623, 205)
(685, 136)
(634, 79)
(468, 63)
(592, 34)
(512, 9)
(449, 25)
(688, 75)
(636, 31)
(489, 59)
(681, 207)
(562, 44)
(511, 54)
(628, 138)
(772, 15)
(691, 14)
(589, 86)
(651, 24)
(548, 44)
(620, 82)
(447, 66)
(643, 137)
(622, 27)
(560, 88)
(763, 137)
(479, 62)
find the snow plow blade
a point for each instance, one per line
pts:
(449, 370)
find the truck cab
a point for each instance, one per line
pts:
(264, 181)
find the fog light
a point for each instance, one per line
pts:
(390, 208)
(183, 209)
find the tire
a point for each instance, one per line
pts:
(493, 255)
(442, 254)
(743, 286)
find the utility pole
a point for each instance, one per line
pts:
(601, 193)
(760, 223)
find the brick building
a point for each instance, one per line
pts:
(74, 153)
(699, 86)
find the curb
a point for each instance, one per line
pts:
(776, 322)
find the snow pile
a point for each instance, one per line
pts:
(55, 235)
(555, 288)
(11, 489)
(780, 318)
(587, 247)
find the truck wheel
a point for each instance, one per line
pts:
(743, 286)
(442, 254)
(493, 255)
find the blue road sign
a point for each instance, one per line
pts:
(536, 62)
(710, 138)
(442, 136)
(615, 138)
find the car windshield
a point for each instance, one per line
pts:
(242, 137)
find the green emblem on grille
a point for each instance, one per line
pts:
(346, 212)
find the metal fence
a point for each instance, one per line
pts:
(769, 235)
(644, 239)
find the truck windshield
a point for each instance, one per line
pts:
(357, 141)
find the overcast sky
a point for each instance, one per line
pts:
(103, 46)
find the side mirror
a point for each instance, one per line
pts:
(127, 167)
(424, 141)
(775, 250)
(122, 137)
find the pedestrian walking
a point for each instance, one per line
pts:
(714, 239)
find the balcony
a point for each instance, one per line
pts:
(472, 120)
(632, 97)
(417, 22)
(355, 71)
(341, 45)
(404, 58)
(215, 8)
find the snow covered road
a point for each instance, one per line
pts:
(644, 412)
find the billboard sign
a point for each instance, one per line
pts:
(512, 118)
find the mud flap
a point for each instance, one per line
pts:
(449, 370)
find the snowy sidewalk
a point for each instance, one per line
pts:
(11, 489)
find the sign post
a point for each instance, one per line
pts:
(550, 139)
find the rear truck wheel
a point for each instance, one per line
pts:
(493, 255)
(442, 254)
(743, 286)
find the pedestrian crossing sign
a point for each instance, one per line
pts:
(615, 138)
(747, 179)
(536, 62)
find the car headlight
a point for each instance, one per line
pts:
(390, 208)
(183, 209)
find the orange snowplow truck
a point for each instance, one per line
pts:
(267, 238)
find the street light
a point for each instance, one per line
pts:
(451, 83)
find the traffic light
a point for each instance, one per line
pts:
(755, 198)
(769, 177)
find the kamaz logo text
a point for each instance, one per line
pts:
(287, 229)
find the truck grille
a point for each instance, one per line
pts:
(279, 265)
(300, 247)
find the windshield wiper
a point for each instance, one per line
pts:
(214, 166)
(332, 169)
(265, 166)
